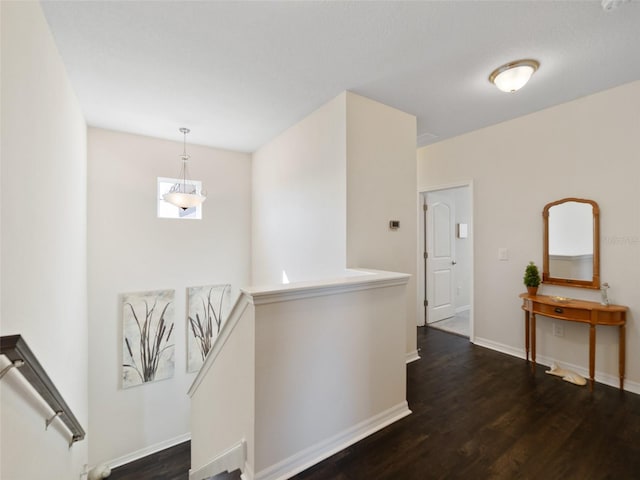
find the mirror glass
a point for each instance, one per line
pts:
(571, 243)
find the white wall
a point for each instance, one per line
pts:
(43, 270)
(131, 250)
(299, 199)
(587, 148)
(326, 366)
(325, 190)
(381, 186)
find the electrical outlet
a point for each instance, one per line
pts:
(558, 330)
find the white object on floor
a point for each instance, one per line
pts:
(99, 472)
(567, 375)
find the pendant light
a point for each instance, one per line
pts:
(183, 194)
(513, 76)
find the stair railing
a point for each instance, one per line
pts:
(21, 357)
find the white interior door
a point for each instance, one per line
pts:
(440, 258)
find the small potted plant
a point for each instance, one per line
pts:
(532, 278)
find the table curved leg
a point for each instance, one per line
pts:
(622, 349)
(592, 355)
(526, 333)
(533, 342)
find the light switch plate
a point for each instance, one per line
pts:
(503, 254)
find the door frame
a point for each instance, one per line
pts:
(421, 285)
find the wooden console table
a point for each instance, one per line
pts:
(592, 313)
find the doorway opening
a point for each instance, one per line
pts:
(446, 239)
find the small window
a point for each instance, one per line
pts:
(167, 210)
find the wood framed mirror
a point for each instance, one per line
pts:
(571, 255)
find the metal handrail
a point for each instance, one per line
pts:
(18, 352)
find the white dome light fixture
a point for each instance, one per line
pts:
(512, 76)
(184, 194)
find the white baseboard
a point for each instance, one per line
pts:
(316, 453)
(600, 377)
(247, 472)
(137, 455)
(499, 347)
(412, 356)
(232, 459)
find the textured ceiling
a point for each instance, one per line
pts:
(239, 73)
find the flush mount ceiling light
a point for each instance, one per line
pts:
(184, 194)
(514, 75)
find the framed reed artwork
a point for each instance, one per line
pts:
(147, 337)
(208, 308)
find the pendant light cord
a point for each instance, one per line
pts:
(184, 162)
(185, 158)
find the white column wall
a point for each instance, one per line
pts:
(131, 250)
(299, 199)
(381, 186)
(325, 190)
(586, 148)
(43, 243)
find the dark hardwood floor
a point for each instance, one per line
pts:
(170, 464)
(478, 414)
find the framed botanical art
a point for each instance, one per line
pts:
(208, 308)
(147, 340)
